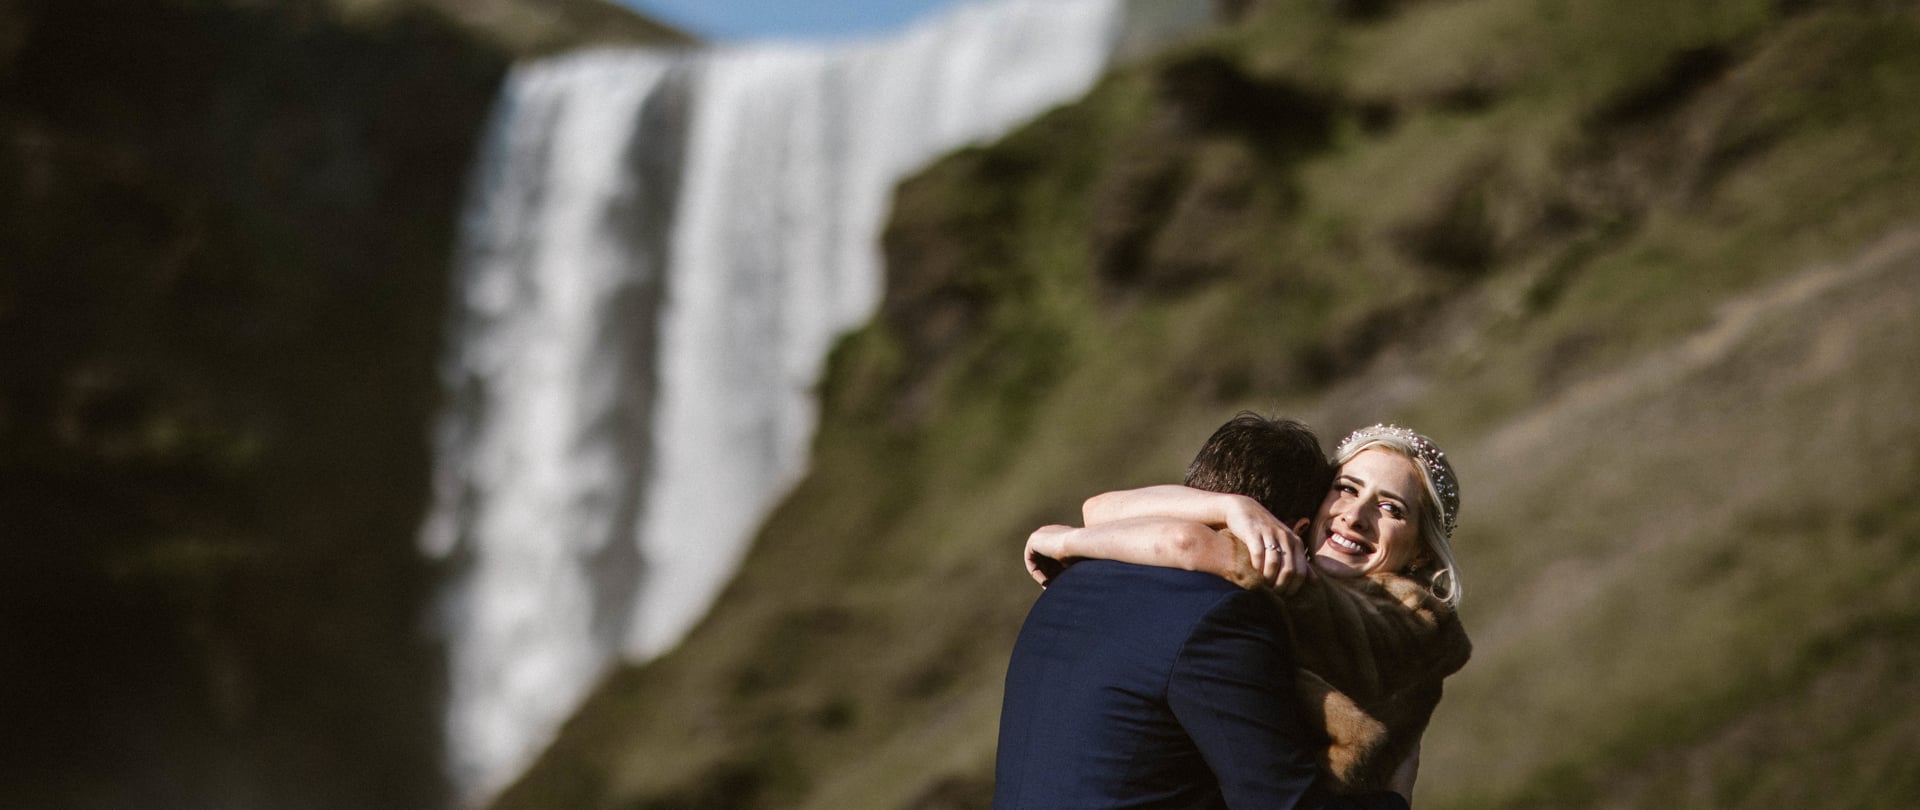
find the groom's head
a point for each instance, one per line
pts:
(1277, 462)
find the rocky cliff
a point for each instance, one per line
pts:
(1648, 270)
(225, 234)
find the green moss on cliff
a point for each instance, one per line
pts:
(226, 232)
(1644, 268)
(523, 28)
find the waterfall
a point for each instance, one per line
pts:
(657, 254)
(541, 455)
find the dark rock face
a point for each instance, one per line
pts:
(224, 242)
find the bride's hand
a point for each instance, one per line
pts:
(1273, 549)
(1047, 552)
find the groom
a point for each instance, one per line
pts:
(1141, 687)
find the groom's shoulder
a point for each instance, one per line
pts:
(1124, 589)
(1108, 574)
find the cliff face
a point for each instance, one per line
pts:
(535, 28)
(1645, 269)
(225, 234)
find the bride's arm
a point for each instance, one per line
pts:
(1272, 549)
(1214, 509)
(1162, 541)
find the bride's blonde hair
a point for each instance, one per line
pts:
(1440, 509)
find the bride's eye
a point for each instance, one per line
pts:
(1392, 509)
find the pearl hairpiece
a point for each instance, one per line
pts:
(1439, 472)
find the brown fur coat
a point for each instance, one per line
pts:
(1371, 654)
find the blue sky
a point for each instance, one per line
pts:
(787, 19)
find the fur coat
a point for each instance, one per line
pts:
(1371, 654)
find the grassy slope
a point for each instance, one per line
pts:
(1648, 269)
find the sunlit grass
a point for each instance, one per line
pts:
(1668, 381)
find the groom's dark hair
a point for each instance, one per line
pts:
(1277, 462)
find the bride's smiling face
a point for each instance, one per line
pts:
(1370, 520)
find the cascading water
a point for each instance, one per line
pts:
(541, 456)
(658, 253)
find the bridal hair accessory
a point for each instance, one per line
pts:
(1439, 472)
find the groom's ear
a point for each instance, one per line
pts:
(1301, 526)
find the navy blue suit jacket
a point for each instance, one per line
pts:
(1141, 687)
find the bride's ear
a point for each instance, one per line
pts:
(1301, 526)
